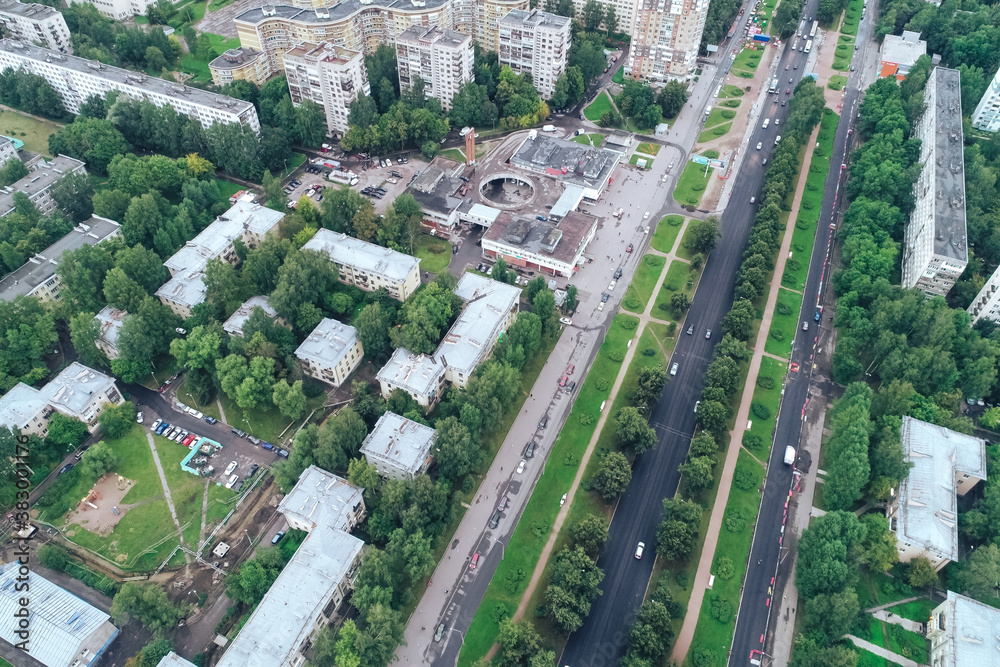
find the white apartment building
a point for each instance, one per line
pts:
(8, 150)
(38, 277)
(535, 42)
(35, 23)
(398, 447)
(962, 632)
(186, 288)
(924, 512)
(78, 392)
(331, 352)
(987, 302)
(119, 10)
(624, 12)
(234, 325)
(935, 249)
(666, 36)
(368, 266)
(419, 375)
(986, 117)
(331, 76)
(109, 322)
(442, 58)
(76, 79)
(38, 183)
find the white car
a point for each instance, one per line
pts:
(759, 145)
(138, 417)
(639, 549)
(230, 468)
(611, 287)
(645, 216)
(673, 369)
(520, 466)
(232, 481)
(565, 320)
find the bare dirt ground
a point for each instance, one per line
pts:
(107, 495)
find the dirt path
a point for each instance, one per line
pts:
(204, 516)
(166, 491)
(703, 574)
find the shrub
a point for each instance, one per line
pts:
(736, 520)
(783, 308)
(602, 384)
(777, 334)
(633, 303)
(799, 247)
(703, 657)
(724, 568)
(728, 114)
(650, 260)
(500, 611)
(682, 579)
(765, 382)
(468, 484)
(745, 478)
(663, 305)
(616, 355)
(760, 411)
(722, 609)
(710, 154)
(586, 419)
(628, 323)
(751, 440)
(675, 221)
(648, 352)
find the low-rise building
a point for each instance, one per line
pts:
(419, 375)
(568, 162)
(899, 53)
(36, 23)
(924, 512)
(536, 43)
(8, 150)
(119, 10)
(234, 325)
(962, 632)
(38, 184)
(555, 247)
(38, 277)
(78, 392)
(329, 75)
(440, 191)
(398, 447)
(109, 322)
(246, 221)
(442, 58)
(322, 499)
(240, 64)
(65, 631)
(368, 266)
(331, 352)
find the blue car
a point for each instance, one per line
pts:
(268, 446)
(818, 316)
(163, 427)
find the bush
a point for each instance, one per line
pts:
(765, 382)
(648, 352)
(783, 308)
(633, 303)
(628, 323)
(682, 579)
(586, 419)
(703, 657)
(675, 221)
(745, 478)
(602, 384)
(722, 609)
(724, 568)
(760, 411)
(728, 114)
(663, 305)
(468, 484)
(616, 355)
(778, 334)
(736, 520)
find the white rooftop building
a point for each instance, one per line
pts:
(986, 117)
(331, 352)
(900, 52)
(234, 325)
(38, 183)
(962, 632)
(924, 512)
(368, 266)
(109, 321)
(65, 631)
(36, 23)
(399, 448)
(419, 375)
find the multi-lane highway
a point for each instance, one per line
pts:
(601, 640)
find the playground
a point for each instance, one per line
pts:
(101, 509)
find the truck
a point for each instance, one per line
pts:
(760, 37)
(789, 455)
(346, 177)
(326, 163)
(774, 85)
(548, 128)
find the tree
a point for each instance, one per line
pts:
(981, 575)
(573, 584)
(53, 556)
(117, 420)
(73, 194)
(809, 653)
(458, 454)
(611, 20)
(679, 303)
(678, 531)
(251, 582)
(519, 645)
(570, 303)
(672, 98)
(921, 573)
(147, 604)
(613, 476)
(273, 192)
(66, 431)
(832, 615)
(380, 635)
(81, 273)
(13, 171)
(98, 460)
(589, 533)
(499, 272)
(739, 321)
(544, 306)
(649, 384)
(634, 434)
(27, 335)
(122, 292)
(157, 649)
(697, 474)
(200, 349)
(93, 140)
(289, 398)
(828, 554)
(593, 15)
(310, 124)
(372, 325)
(879, 546)
(702, 235)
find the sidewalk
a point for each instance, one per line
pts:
(881, 652)
(684, 637)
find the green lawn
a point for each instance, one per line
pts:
(837, 82)
(747, 60)
(729, 90)
(297, 160)
(682, 249)
(647, 274)
(602, 104)
(525, 546)
(917, 610)
(691, 184)
(185, 397)
(718, 116)
(734, 543)
(852, 17)
(619, 76)
(33, 132)
(842, 57)
(771, 400)
(434, 253)
(634, 160)
(869, 659)
(648, 149)
(593, 139)
(784, 324)
(715, 132)
(680, 278)
(897, 639)
(453, 154)
(227, 188)
(264, 422)
(196, 67)
(665, 234)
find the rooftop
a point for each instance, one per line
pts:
(417, 374)
(400, 442)
(110, 321)
(173, 660)
(322, 499)
(434, 35)
(436, 187)
(948, 162)
(973, 632)
(323, 52)
(41, 179)
(61, 623)
(126, 77)
(363, 256)
(20, 405)
(337, 12)
(73, 390)
(563, 241)
(43, 266)
(28, 10)
(903, 49)
(569, 161)
(328, 343)
(478, 326)
(928, 512)
(241, 55)
(234, 325)
(533, 18)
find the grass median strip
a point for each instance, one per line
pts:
(680, 279)
(764, 408)
(665, 234)
(647, 274)
(714, 133)
(784, 323)
(691, 184)
(525, 546)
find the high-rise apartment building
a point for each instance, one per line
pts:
(666, 36)
(119, 10)
(935, 247)
(442, 58)
(986, 117)
(35, 23)
(76, 79)
(537, 43)
(331, 76)
(624, 12)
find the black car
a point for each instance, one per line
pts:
(544, 422)
(605, 297)
(66, 468)
(253, 469)
(495, 519)
(618, 273)
(529, 451)
(211, 420)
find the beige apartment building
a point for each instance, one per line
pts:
(536, 43)
(331, 76)
(331, 352)
(666, 36)
(442, 58)
(240, 64)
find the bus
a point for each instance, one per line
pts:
(812, 33)
(774, 85)
(809, 46)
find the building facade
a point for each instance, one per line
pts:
(76, 79)
(331, 76)
(899, 52)
(490, 308)
(37, 185)
(331, 352)
(35, 23)
(119, 10)
(986, 117)
(419, 375)
(368, 266)
(240, 64)
(8, 150)
(666, 37)
(624, 12)
(109, 323)
(963, 631)
(537, 43)
(442, 58)
(398, 447)
(935, 249)
(554, 248)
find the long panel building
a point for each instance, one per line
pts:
(76, 79)
(368, 266)
(36, 23)
(38, 183)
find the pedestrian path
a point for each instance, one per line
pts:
(882, 653)
(872, 610)
(166, 491)
(895, 619)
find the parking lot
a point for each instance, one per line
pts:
(308, 177)
(379, 177)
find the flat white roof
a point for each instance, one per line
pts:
(20, 405)
(399, 442)
(484, 212)
(322, 499)
(110, 321)
(416, 374)
(234, 325)
(479, 325)
(328, 343)
(73, 390)
(973, 631)
(363, 256)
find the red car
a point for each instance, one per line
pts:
(629, 248)
(562, 380)
(570, 369)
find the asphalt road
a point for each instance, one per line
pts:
(601, 640)
(766, 564)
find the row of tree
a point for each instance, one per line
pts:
(639, 101)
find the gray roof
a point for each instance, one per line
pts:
(328, 343)
(416, 374)
(322, 499)
(62, 625)
(126, 77)
(43, 266)
(110, 321)
(71, 392)
(436, 186)
(928, 509)
(903, 49)
(28, 10)
(20, 405)
(45, 174)
(478, 327)
(973, 631)
(947, 159)
(399, 442)
(433, 34)
(567, 160)
(173, 660)
(241, 55)
(339, 11)
(234, 325)
(532, 18)
(361, 255)
(562, 240)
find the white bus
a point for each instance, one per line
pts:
(809, 46)
(343, 177)
(812, 33)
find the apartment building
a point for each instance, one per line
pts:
(8, 150)
(924, 513)
(240, 64)
(76, 79)
(78, 392)
(37, 185)
(963, 631)
(537, 43)
(488, 14)
(331, 352)
(368, 266)
(442, 58)
(109, 325)
(419, 375)
(234, 325)
(186, 288)
(38, 277)
(935, 250)
(398, 447)
(119, 10)
(331, 76)
(624, 12)
(666, 37)
(986, 117)
(35, 23)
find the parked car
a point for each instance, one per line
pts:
(563, 380)
(156, 425)
(570, 386)
(565, 320)
(673, 369)
(253, 440)
(238, 433)
(570, 369)
(618, 273)
(138, 417)
(605, 297)
(690, 329)
(529, 451)
(475, 560)
(520, 466)
(66, 468)
(283, 453)
(161, 428)
(268, 446)
(211, 420)
(503, 503)
(439, 633)
(254, 468)
(277, 537)
(495, 519)
(629, 248)
(230, 468)
(543, 422)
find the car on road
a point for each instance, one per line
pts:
(156, 425)
(696, 404)
(611, 286)
(211, 420)
(786, 68)
(563, 380)
(788, 91)
(760, 145)
(753, 200)
(66, 468)
(79, 452)
(495, 519)
(639, 549)
(543, 423)
(570, 386)
(195, 413)
(565, 320)
(805, 326)
(277, 537)
(817, 316)
(708, 333)
(529, 451)
(690, 329)
(795, 66)
(600, 306)
(605, 297)
(138, 417)
(645, 216)
(520, 466)
(618, 273)
(475, 561)
(629, 248)
(673, 369)
(439, 633)
(503, 503)
(230, 468)
(570, 369)
(562, 501)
